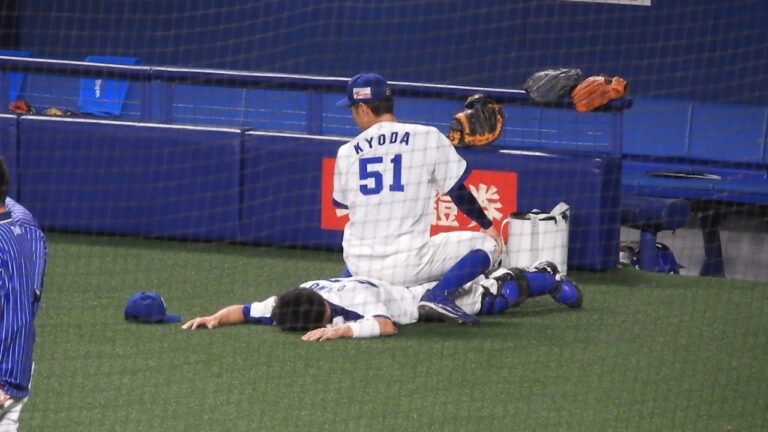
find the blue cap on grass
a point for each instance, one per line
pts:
(365, 87)
(148, 308)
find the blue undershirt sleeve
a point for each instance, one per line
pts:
(265, 320)
(339, 205)
(467, 203)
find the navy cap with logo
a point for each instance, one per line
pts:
(364, 88)
(149, 308)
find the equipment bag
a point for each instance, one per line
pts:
(537, 236)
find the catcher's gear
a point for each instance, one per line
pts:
(551, 85)
(479, 124)
(20, 106)
(567, 292)
(596, 91)
(511, 284)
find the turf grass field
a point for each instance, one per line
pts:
(647, 352)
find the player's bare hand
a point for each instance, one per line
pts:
(327, 333)
(201, 322)
(497, 237)
(3, 398)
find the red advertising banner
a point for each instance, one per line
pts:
(496, 191)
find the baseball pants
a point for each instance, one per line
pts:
(427, 263)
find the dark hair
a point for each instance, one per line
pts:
(299, 309)
(5, 179)
(384, 106)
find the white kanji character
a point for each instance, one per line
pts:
(488, 198)
(445, 212)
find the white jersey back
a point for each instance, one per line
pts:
(368, 298)
(354, 298)
(389, 177)
(357, 298)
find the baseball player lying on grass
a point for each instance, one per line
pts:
(356, 307)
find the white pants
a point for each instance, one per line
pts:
(425, 264)
(9, 414)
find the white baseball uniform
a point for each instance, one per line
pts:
(353, 299)
(388, 177)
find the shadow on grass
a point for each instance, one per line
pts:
(487, 322)
(553, 310)
(432, 330)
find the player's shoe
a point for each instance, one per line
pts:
(568, 293)
(433, 306)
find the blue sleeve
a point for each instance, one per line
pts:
(339, 205)
(255, 320)
(467, 203)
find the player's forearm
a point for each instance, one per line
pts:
(386, 327)
(230, 315)
(364, 328)
(467, 203)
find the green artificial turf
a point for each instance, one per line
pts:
(646, 353)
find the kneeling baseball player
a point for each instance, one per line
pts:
(363, 308)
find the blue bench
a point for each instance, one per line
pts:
(713, 155)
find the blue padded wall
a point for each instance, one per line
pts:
(106, 177)
(281, 190)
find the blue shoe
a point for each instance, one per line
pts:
(433, 306)
(568, 293)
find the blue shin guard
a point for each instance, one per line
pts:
(540, 283)
(517, 285)
(568, 293)
(493, 304)
(513, 285)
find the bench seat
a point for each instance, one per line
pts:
(651, 215)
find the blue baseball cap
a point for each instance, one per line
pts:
(149, 308)
(365, 87)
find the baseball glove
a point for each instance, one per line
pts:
(596, 91)
(479, 124)
(20, 106)
(551, 85)
(53, 111)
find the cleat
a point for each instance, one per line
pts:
(433, 307)
(568, 293)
